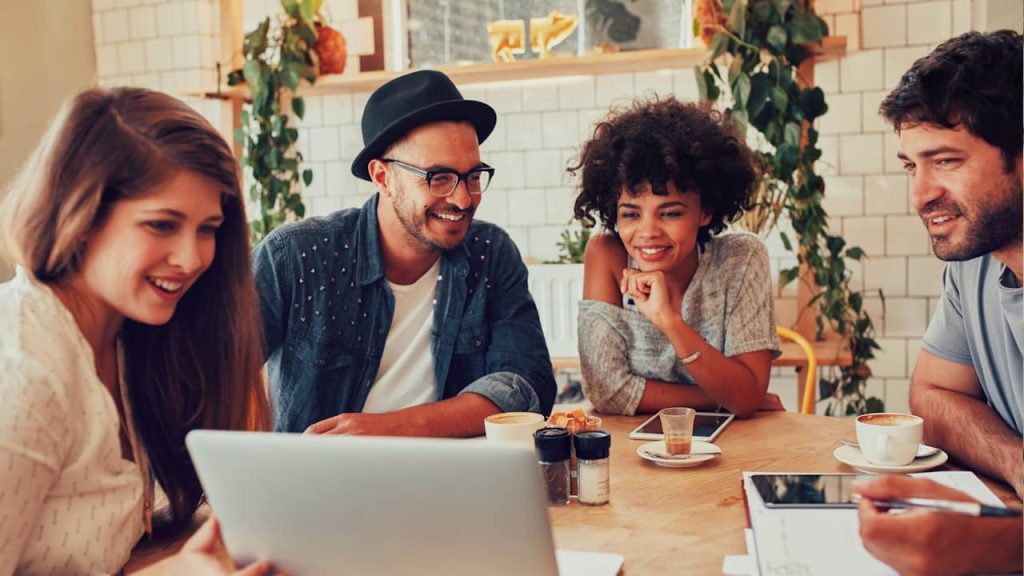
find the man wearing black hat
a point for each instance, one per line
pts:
(404, 316)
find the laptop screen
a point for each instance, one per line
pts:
(361, 505)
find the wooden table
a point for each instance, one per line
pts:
(681, 520)
(685, 520)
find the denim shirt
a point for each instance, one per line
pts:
(327, 308)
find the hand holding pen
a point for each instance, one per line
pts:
(942, 531)
(953, 506)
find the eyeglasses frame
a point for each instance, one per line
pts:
(428, 175)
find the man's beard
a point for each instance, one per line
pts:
(992, 225)
(415, 221)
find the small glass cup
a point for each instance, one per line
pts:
(677, 426)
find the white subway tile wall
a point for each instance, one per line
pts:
(929, 23)
(886, 274)
(843, 116)
(861, 71)
(884, 26)
(885, 194)
(924, 276)
(169, 45)
(961, 16)
(906, 235)
(845, 195)
(871, 121)
(905, 316)
(172, 45)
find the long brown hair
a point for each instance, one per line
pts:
(202, 368)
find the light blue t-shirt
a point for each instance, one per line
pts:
(979, 323)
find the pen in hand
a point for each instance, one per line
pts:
(967, 508)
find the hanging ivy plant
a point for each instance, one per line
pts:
(752, 68)
(278, 55)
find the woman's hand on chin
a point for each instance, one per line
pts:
(649, 291)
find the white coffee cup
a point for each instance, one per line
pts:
(513, 426)
(889, 439)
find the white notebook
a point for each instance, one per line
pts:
(827, 541)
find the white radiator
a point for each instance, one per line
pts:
(557, 289)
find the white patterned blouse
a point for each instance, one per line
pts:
(69, 502)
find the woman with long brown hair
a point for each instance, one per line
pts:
(132, 319)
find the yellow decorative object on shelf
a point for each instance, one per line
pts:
(550, 31)
(506, 37)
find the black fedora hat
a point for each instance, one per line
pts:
(412, 100)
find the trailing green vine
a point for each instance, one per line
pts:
(277, 58)
(755, 53)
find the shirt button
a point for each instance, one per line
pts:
(476, 342)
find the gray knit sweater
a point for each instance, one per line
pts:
(729, 302)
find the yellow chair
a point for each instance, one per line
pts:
(811, 382)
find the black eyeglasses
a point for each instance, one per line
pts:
(443, 181)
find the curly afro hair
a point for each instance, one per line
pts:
(973, 80)
(660, 141)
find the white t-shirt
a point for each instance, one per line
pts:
(69, 503)
(406, 374)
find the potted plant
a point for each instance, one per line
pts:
(557, 288)
(279, 54)
(752, 68)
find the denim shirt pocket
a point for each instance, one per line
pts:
(323, 353)
(469, 360)
(323, 366)
(472, 340)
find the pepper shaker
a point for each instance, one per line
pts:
(553, 455)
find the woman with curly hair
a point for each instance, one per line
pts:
(674, 314)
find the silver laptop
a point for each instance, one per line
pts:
(360, 505)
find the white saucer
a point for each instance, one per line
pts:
(854, 458)
(700, 452)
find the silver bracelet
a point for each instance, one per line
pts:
(691, 358)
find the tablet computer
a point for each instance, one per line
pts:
(706, 427)
(805, 490)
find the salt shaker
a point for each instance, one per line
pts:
(593, 467)
(553, 454)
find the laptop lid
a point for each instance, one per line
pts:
(361, 505)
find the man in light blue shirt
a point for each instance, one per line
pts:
(958, 115)
(960, 142)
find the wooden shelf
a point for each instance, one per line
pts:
(831, 47)
(553, 67)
